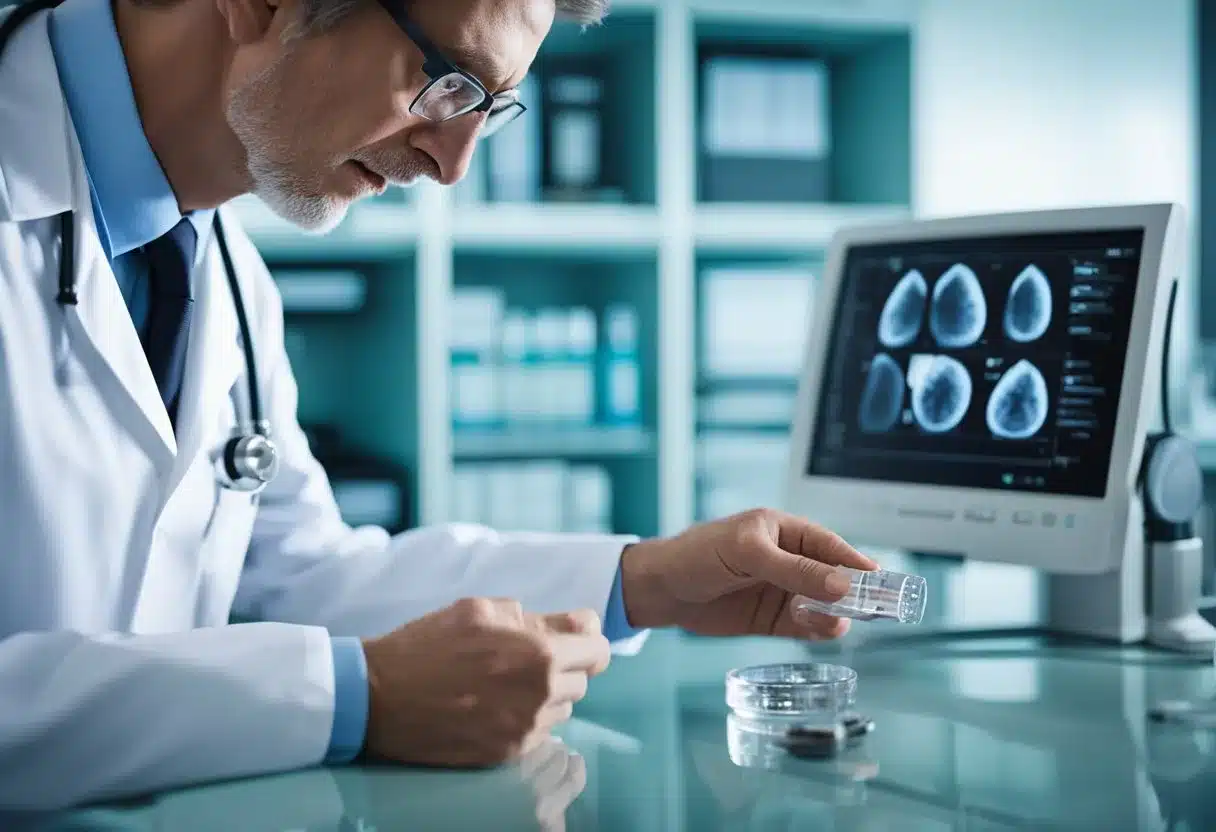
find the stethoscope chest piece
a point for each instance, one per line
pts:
(246, 462)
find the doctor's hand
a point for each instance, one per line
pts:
(478, 683)
(737, 576)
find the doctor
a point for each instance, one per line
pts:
(154, 482)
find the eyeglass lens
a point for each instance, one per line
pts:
(448, 97)
(455, 95)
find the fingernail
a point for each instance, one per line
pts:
(837, 583)
(801, 615)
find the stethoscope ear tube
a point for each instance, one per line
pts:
(67, 260)
(257, 424)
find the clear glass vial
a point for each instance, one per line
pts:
(875, 594)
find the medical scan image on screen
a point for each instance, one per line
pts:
(980, 362)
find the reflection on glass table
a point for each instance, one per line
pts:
(992, 734)
(534, 794)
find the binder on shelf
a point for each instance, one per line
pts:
(754, 322)
(738, 470)
(544, 495)
(766, 128)
(574, 143)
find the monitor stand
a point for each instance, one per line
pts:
(1154, 597)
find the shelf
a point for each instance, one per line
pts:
(786, 228)
(372, 230)
(560, 442)
(556, 227)
(838, 14)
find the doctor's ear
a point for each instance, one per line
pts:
(250, 21)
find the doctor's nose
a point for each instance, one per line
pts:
(451, 145)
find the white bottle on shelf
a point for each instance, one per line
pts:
(588, 500)
(548, 372)
(578, 381)
(621, 377)
(476, 314)
(469, 493)
(514, 377)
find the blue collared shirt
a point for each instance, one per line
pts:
(134, 205)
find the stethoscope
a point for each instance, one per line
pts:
(249, 459)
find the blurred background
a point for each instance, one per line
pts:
(600, 328)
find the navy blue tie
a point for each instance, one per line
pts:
(170, 260)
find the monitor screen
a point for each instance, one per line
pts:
(990, 362)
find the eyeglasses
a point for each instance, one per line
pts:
(451, 92)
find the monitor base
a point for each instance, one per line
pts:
(1154, 598)
(1188, 634)
(1175, 590)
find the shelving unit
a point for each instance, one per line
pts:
(383, 377)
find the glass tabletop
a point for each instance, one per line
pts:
(969, 734)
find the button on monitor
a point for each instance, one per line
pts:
(980, 515)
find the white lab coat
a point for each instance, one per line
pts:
(122, 560)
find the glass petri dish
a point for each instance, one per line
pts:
(810, 692)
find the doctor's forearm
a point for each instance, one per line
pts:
(91, 718)
(373, 588)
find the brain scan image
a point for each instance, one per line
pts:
(883, 395)
(958, 310)
(1017, 407)
(1028, 307)
(941, 392)
(903, 312)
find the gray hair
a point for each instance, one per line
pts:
(319, 15)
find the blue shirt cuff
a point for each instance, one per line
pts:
(616, 621)
(350, 701)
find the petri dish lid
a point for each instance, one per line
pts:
(791, 689)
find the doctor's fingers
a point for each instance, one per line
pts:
(798, 558)
(550, 752)
(585, 621)
(801, 537)
(567, 686)
(799, 623)
(589, 653)
(558, 790)
(553, 715)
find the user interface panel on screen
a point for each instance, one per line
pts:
(981, 362)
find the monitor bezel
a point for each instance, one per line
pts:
(942, 519)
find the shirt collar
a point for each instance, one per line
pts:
(132, 198)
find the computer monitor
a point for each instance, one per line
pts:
(983, 386)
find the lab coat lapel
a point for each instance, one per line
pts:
(45, 176)
(105, 321)
(213, 360)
